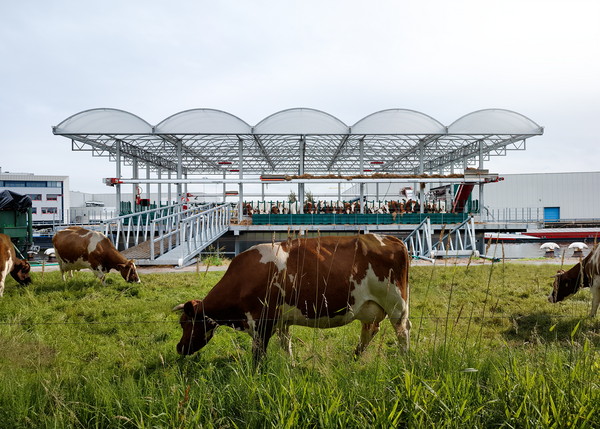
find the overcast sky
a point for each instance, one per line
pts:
(349, 58)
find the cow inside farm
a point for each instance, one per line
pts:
(79, 248)
(320, 282)
(9, 263)
(584, 274)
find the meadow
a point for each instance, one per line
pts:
(487, 350)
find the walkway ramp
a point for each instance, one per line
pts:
(458, 242)
(173, 239)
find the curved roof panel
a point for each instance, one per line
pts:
(203, 121)
(494, 121)
(301, 121)
(103, 121)
(398, 121)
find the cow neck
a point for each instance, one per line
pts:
(112, 259)
(587, 269)
(218, 307)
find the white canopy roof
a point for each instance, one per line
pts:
(203, 141)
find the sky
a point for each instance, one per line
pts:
(252, 58)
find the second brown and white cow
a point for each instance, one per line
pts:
(316, 282)
(9, 263)
(584, 274)
(78, 248)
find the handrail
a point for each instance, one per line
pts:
(418, 241)
(134, 228)
(457, 242)
(193, 232)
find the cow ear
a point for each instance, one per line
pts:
(191, 308)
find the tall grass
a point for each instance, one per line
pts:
(487, 351)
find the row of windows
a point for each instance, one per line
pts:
(30, 184)
(45, 210)
(49, 197)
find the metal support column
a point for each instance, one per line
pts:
(179, 169)
(148, 195)
(361, 164)
(224, 187)
(118, 174)
(421, 172)
(302, 150)
(135, 185)
(169, 192)
(159, 187)
(481, 205)
(241, 184)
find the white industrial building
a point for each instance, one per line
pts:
(50, 195)
(549, 196)
(531, 197)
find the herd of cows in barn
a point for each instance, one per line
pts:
(343, 207)
(271, 286)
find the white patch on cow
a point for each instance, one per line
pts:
(380, 239)
(292, 278)
(7, 269)
(292, 315)
(273, 253)
(251, 322)
(384, 293)
(95, 238)
(79, 264)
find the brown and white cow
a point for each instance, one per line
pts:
(9, 263)
(584, 274)
(320, 282)
(79, 248)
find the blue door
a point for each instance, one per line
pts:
(551, 214)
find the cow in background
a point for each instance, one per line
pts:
(79, 248)
(584, 274)
(320, 282)
(9, 263)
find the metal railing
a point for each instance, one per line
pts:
(515, 214)
(418, 241)
(135, 228)
(191, 233)
(460, 241)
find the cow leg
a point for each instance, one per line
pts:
(397, 311)
(101, 276)
(260, 341)
(595, 289)
(367, 333)
(402, 326)
(285, 339)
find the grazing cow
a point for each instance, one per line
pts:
(316, 282)
(79, 248)
(9, 263)
(584, 274)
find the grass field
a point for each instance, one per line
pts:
(487, 350)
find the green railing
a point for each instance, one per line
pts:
(357, 219)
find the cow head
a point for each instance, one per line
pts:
(563, 286)
(129, 271)
(197, 328)
(20, 272)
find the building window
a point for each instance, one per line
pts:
(52, 197)
(49, 210)
(34, 210)
(15, 183)
(35, 197)
(36, 184)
